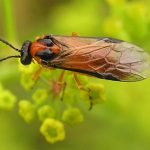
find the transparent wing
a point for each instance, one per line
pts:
(105, 58)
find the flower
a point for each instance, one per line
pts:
(26, 110)
(72, 116)
(7, 100)
(53, 130)
(45, 112)
(40, 96)
(27, 81)
(29, 69)
(96, 94)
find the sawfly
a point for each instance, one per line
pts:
(105, 58)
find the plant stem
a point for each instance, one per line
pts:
(9, 23)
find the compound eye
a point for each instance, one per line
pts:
(26, 57)
(46, 42)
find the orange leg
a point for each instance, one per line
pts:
(61, 77)
(59, 85)
(62, 83)
(81, 87)
(36, 75)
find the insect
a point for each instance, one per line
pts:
(104, 58)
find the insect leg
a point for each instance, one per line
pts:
(59, 85)
(36, 75)
(62, 83)
(81, 87)
(61, 77)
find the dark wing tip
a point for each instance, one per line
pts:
(111, 40)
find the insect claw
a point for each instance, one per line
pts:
(91, 106)
(87, 90)
(90, 99)
(63, 91)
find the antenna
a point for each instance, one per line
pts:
(17, 56)
(14, 48)
(10, 45)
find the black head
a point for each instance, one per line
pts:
(26, 57)
(44, 49)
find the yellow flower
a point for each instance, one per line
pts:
(7, 100)
(96, 94)
(53, 130)
(40, 96)
(72, 116)
(26, 110)
(45, 112)
(27, 81)
(29, 69)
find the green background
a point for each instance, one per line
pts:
(123, 121)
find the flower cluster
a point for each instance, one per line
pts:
(54, 103)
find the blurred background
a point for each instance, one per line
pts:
(123, 121)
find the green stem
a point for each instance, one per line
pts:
(9, 23)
